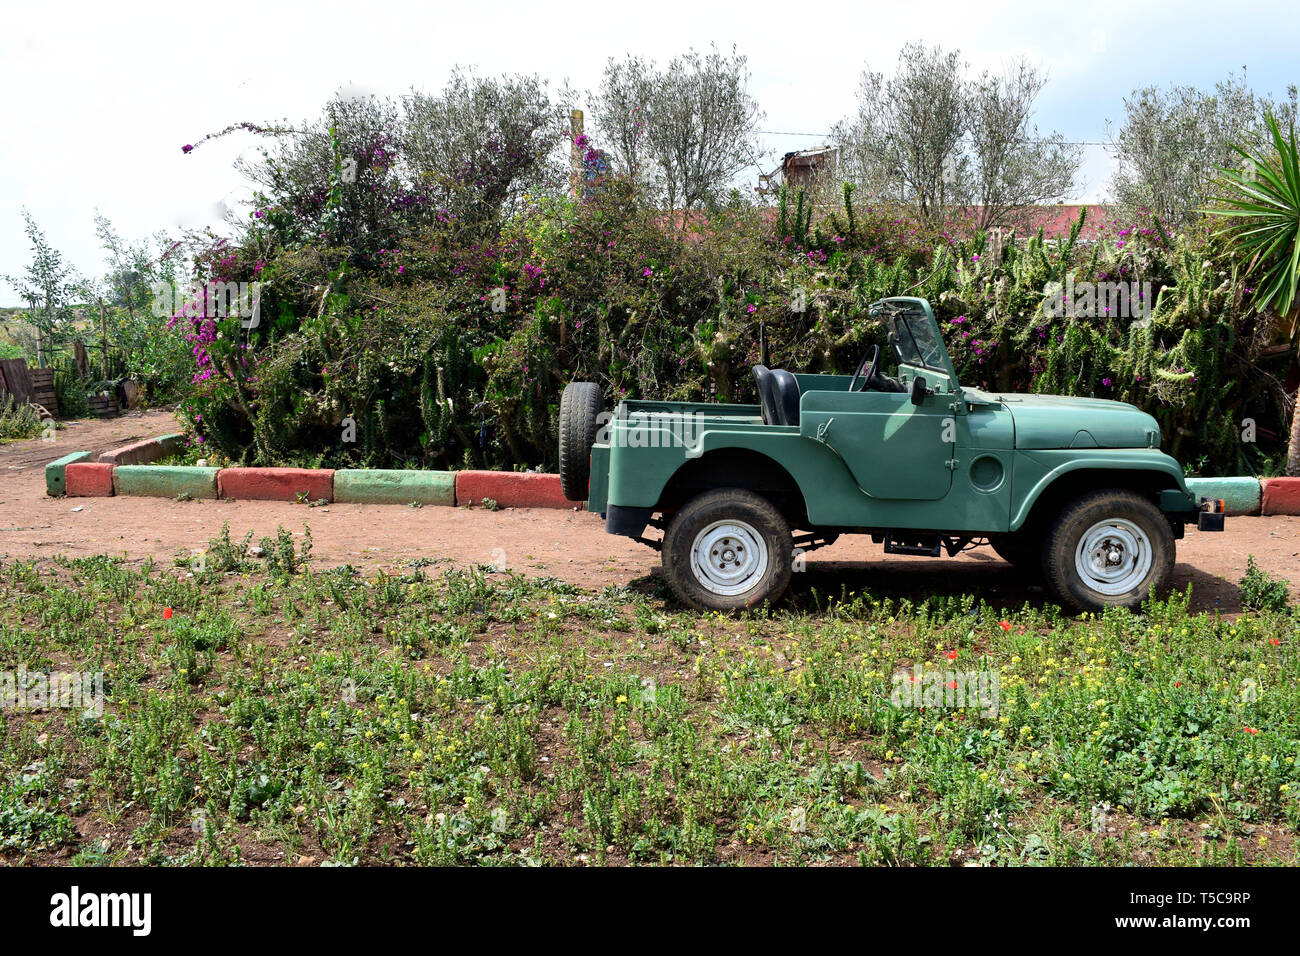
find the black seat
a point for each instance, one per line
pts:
(766, 394)
(786, 387)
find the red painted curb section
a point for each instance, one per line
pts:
(1281, 496)
(137, 453)
(511, 489)
(276, 484)
(88, 479)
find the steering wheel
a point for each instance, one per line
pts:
(869, 362)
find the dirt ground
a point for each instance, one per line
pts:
(570, 545)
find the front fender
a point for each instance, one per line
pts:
(1036, 471)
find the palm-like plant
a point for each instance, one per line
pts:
(1263, 201)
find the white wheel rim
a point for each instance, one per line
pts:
(728, 557)
(1113, 556)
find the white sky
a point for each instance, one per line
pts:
(99, 98)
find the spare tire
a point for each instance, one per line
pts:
(580, 408)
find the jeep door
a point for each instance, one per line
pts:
(893, 449)
(896, 448)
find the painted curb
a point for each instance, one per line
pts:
(89, 479)
(146, 451)
(165, 481)
(1281, 496)
(511, 489)
(1241, 496)
(394, 486)
(276, 484)
(55, 482)
(136, 453)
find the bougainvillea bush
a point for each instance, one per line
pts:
(432, 320)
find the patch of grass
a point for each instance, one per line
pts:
(283, 712)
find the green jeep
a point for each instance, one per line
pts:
(1076, 490)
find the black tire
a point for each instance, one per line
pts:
(1023, 549)
(1131, 555)
(580, 408)
(753, 521)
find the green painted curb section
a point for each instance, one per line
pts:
(1240, 495)
(395, 487)
(165, 481)
(55, 480)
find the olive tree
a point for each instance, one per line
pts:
(685, 131)
(1174, 141)
(483, 142)
(1010, 165)
(622, 109)
(905, 143)
(935, 138)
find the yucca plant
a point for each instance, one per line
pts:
(1263, 201)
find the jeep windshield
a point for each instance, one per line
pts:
(915, 342)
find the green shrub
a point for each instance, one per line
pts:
(18, 421)
(70, 393)
(401, 338)
(1261, 590)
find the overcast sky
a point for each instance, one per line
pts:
(99, 98)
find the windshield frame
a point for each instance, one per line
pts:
(914, 335)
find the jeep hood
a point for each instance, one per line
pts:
(1060, 421)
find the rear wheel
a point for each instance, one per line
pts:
(1106, 548)
(580, 408)
(726, 550)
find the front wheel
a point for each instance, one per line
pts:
(1023, 549)
(1111, 547)
(727, 550)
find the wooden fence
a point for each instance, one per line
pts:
(28, 385)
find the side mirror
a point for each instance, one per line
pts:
(919, 390)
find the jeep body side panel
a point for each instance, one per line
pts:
(638, 474)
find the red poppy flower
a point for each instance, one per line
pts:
(167, 614)
(1274, 641)
(1005, 625)
(1250, 730)
(952, 655)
